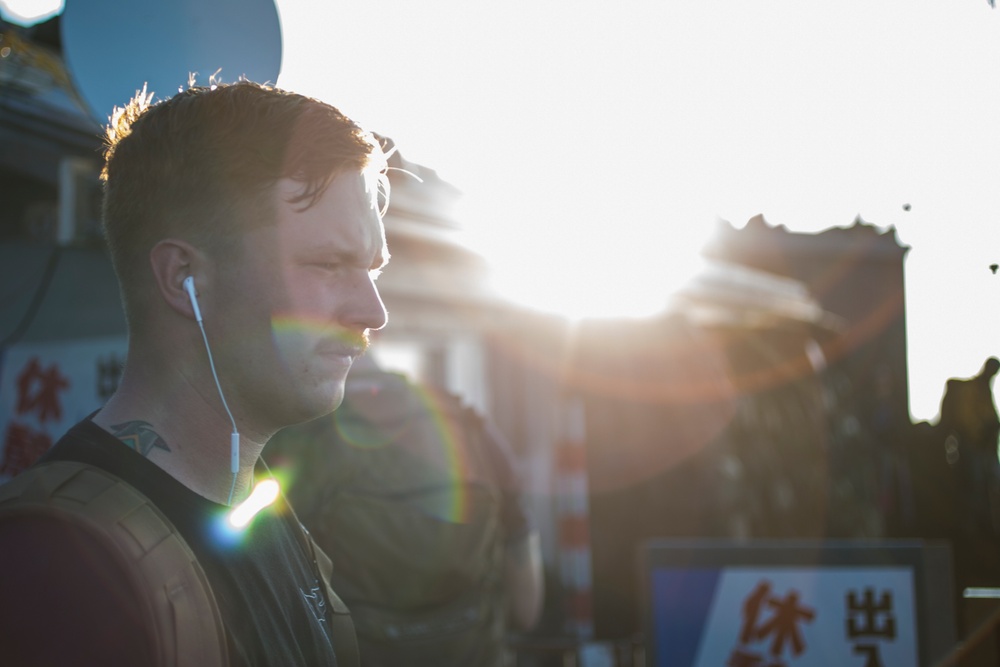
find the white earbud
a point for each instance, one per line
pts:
(189, 288)
(234, 438)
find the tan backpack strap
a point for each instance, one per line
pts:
(179, 606)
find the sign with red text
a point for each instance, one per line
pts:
(788, 617)
(796, 604)
(47, 387)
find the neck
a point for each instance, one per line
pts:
(178, 422)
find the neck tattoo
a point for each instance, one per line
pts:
(139, 436)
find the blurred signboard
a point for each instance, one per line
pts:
(45, 388)
(796, 604)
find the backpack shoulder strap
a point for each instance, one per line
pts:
(179, 608)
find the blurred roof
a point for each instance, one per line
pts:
(728, 295)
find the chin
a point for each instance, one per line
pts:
(337, 400)
(307, 401)
(324, 402)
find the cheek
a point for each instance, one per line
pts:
(296, 364)
(307, 293)
(292, 341)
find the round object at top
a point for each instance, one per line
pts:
(112, 48)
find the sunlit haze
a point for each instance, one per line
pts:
(598, 144)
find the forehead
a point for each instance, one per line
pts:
(344, 218)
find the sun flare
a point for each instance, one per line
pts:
(575, 267)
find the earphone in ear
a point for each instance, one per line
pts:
(189, 288)
(234, 437)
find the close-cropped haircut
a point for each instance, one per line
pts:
(201, 166)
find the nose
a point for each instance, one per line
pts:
(366, 310)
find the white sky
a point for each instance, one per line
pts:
(597, 143)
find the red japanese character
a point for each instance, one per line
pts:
(22, 447)
(751, 612)
(783, 624)
(38, 391)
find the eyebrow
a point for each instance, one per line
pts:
(338, 254)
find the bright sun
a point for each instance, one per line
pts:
(576, 268)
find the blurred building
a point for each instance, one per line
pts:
(770, 403)
(856, 274)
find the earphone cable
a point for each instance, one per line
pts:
(218, 386)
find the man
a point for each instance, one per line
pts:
(970, 427)
(268, 202)
(417, 501)
(968, 411)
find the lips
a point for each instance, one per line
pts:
(336, 348)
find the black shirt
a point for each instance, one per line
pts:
(65, 595)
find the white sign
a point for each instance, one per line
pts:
(853, 616)
(45, 388)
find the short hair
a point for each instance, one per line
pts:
(202, 166)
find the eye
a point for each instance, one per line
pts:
(325, 266)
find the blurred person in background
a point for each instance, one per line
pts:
(416, 499)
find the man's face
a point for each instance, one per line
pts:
(299, 302)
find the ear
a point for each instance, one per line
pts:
(173, 260)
